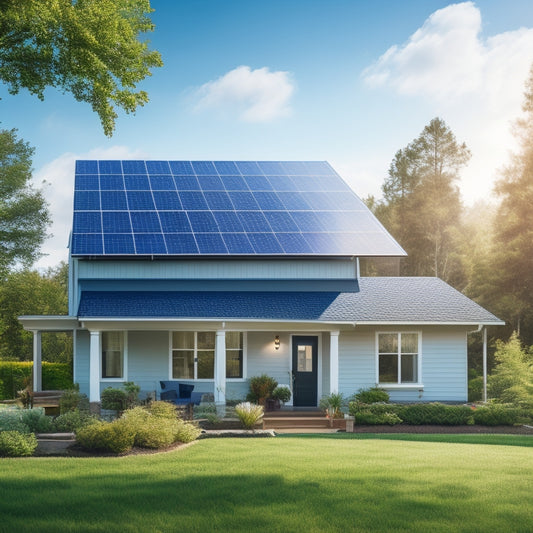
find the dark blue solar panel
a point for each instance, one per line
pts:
(119, 244)
(110, 167)
(116, 222)
(87, 222)
(158, 167)
(167, 200)
(238, 243)
(86, 167)
(221, 207)
(203, 167)
(210, 243)
(87, 201)
(136, 182)
(134, 167)
(218, 201)
(140, 201)
(112, 182)
(226, 168)
(228, 221)
(162, 183)
(202, 221)
(265, 243)
(86, 182)
(193, 201)
(150, 243)
(181, 243)
(174, 222)
(145, 222)
(114, 201)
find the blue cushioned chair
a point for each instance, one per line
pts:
(180, 393)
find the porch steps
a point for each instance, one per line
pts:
(298, 421)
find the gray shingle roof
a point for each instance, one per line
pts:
(392, 300)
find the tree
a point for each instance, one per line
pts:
(24, 213)
(90, 48)
(513, 230)
(422, 206)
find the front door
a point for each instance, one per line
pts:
(304, 371)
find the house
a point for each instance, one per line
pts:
(213, 272)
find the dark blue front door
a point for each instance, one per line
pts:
(304, 371)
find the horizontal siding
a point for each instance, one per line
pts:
(229, 269)
(263, 358)
(81, 361)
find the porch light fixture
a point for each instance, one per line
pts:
(276, 342)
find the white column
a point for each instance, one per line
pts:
(94, 367)
(37, 362)
(485, 364)
(333, 362)
(220, 368)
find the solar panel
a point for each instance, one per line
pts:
(248, 208)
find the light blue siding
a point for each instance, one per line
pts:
(263, 358)
(81, 360)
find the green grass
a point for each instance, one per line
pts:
(288, 484)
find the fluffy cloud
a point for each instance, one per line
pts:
(476, 84)
(253, 95)
(57, 181)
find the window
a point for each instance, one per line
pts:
(398, 355)
(112, 354)
(193, 355)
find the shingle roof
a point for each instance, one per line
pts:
(392, 300)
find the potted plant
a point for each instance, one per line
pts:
(281, 395)
(261, 389)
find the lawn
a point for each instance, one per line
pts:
(285, 484)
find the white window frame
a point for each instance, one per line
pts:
(399, 385)
(124, 356)
(195, 350)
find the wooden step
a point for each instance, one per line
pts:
(284, 422)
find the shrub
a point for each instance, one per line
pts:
(116, 437)
(370, 418)
(372, 395)
(36, 420)
(16, 444)
(72, 400)
(261, 388)
(72, 421)
(249, 414)
(283, 394)
(497, 415)
(11, 420)
(114, 399)
(332, 404)
(154, 431)
(163, 410)
(436, 413)
(186, 431)
(132, 394)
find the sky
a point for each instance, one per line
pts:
(346, 81)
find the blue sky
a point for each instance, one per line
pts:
(350, 82)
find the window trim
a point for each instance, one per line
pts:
(399, 385)
(207, 380)
(124, 356)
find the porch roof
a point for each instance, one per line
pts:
(378, 301)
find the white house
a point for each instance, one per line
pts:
(210, 273)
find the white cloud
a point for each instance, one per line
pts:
(254, 95)
(58, 178)
(476, 84)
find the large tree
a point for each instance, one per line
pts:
(90, 48)
(422, 206)
(24, 213)
(513, 230)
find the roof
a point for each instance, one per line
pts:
(221, 208)
(378, 300)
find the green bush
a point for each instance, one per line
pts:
(332, 404)
(36, 420)
(11, 420)
(186, 432)
(72, 421)
(57, 376)
(436, 413)
(116, 437)
(249, 414)
(163, 410)
(114, 399)
(16, 444)
(497, 415)
(370, 418)
(72, 400)
(372, 395)
(283, 394)
(261, 388)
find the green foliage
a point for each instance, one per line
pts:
(249, 414)
(36, 420)
(163, 410)
(512, 379)
(372, 395)
(497, 415)
(11, 420)
(375, 413)
(73, 421)
(16, 444)
(436, 413)
(370, 419)
(73, 400)
(332, 404)
(114, 399)
(132, 391)
(283, 394)
(90, 49)
(261, 388)
(115, 437)
(186, 432)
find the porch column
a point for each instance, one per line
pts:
(94, 367)
(37, 362)
(485, 364)
(333, 362)
(220, 368)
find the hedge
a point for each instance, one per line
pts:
(15, 375)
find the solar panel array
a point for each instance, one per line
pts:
(247, 208)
